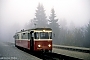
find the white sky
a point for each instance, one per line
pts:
(16, 13)
(21, 11)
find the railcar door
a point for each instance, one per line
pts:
(32, 40)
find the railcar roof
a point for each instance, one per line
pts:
(41, 29)
(35, 29)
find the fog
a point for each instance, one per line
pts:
(15, 14)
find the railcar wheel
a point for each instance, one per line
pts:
(50, 51)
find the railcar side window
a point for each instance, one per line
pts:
(21, 36)
(32, 34)
(44, 35)
(17, 36)
(24, 35)
(28, 35)
(36, 35)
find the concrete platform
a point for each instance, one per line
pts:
(81, 55)
(10, 52)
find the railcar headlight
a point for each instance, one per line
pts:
(43, 30)
(39, 45)
(49, 45)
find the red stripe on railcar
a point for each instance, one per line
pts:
(23, 43)
(44, 45)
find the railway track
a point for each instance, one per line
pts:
(53, 56)
(61, 57)
(49, 56)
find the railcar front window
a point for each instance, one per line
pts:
(36, 35)
(44, 35)
(50, 35)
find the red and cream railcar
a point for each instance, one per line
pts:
(38, 39)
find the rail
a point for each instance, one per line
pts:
(72, 48)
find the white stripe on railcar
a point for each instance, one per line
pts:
(36, 39)
(42, 39)
(22, 39)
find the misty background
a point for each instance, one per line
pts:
(69, 19)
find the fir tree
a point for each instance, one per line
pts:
(87, 41)
(40, 16)
(30, 25)
(54, 25)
